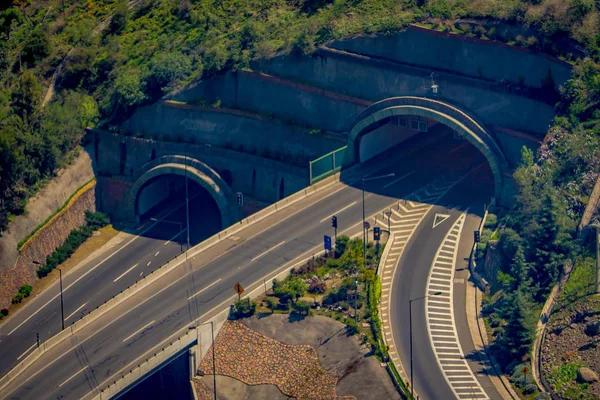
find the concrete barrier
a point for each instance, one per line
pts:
(159, 273)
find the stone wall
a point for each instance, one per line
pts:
(469, 56)
(42, 205)
(44, 242)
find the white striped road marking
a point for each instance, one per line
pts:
(399, 179)
(125, 273)
(156, 253)
(265, 253)
(73, 376)
(26, 351)
(149, 262)
(74, 312)
(338, 211)
(444, 342)
(212, 284)
(138, 331)
(177, 234)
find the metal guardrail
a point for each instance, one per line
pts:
(326, 165)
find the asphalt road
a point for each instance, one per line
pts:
(104, 276)
(411, 279)
(204, 285)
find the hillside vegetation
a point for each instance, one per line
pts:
(150, 47)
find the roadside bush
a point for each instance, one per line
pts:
(25, 290)
(317, 287)
(351, 327)
(17, 298)
(272, 303)
(75, 239)
(302, 307)
(243, 308)
(491, 221)
(4, 312)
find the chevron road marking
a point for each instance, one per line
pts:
(441, 326)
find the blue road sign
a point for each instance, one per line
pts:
(327, 242)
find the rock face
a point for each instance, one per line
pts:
(593, 328)
(586, 375)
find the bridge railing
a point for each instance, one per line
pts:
(326, 165)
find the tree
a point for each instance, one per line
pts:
(166, 69)
(27, 94)
(520, 329)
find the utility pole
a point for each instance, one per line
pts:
(363, 180)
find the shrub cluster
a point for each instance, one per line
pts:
(94, 221)
(243, 308)
(24, 292)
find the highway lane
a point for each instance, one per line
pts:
(99, 280)
(242, 259)
(410, 283)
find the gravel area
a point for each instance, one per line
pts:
(567, 342)
(306, 358)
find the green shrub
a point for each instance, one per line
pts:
(17, 298)
(491, 220)
(4, 312)
(351, 326)
(302, 307)
(25, 290)
(272, 302)
(243, 308)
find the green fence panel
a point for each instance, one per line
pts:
(326, 165)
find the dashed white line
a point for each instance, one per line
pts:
(149, 262)
(73, 376)
(202, 290)
(138, 331)
(26, 351)
(338, 211)
(156, 253)
(74, 312)
(399, 179)
(266, 252)
(125, 273)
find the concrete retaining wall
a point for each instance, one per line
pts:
(44, 242)
(470, 56)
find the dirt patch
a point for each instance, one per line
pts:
(568, 346)
(355, 373)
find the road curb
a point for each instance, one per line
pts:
(160, 272)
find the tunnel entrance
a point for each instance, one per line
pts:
(163, 199)
(389, 123)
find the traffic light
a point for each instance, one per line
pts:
(376, 233)
(334, 222)
(240, 199)
(477, 237)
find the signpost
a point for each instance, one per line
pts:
(239, 290)
(327, 242)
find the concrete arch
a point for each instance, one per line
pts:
(195, 170)
(441, 112)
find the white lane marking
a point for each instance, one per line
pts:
(74, 312)
(138, 331)
(26, 351)
(399, 179)
(265, 253)
(149, 262)
(156, 253)
(125, 273)
(202, 290)
(339, 211)
(73, 376)
(92, 269)
(177, 234)
(446, 343)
